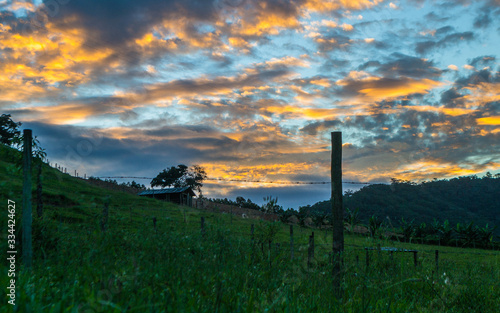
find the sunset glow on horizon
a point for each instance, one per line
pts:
(251, 90)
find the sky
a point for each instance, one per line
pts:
(251, 90)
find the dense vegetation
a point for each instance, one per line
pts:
(459, 200)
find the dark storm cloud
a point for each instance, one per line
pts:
(452, 39)
(404, 65)
(80, 147)
(115, 22)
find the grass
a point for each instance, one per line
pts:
(134, 268)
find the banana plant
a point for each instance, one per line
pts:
(485, 235)
(407, 229)
(445, 233)
(374, 225)
(468, 235)
(352, 219)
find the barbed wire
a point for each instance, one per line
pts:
(254, 181)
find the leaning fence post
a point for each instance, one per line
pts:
(291, 242)
(27, 217)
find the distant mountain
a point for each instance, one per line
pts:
(458, 200)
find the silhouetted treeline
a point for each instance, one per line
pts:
(240, 202)
(131, 184)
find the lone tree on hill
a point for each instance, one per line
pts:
(181, 176)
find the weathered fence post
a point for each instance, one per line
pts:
(27, 217)
(203, 226)
(437, 261)
(310, 254)
(367, 258)
(291, 242)
(154, 223)
(337, 210)
(415, 260)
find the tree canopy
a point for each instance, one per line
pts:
(181, 176)
(9, 130)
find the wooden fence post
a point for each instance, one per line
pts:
(415, 261)
(27, 217)
(367, 258)
(154, 224)
(337, 210)
(291, 242)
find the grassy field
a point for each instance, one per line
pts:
(133, 267)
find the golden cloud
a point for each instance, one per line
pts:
(490, 120)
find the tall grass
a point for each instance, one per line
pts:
(135, 269)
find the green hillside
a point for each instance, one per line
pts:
(134, 267)
(458, 200)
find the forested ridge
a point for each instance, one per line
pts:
(459, 200)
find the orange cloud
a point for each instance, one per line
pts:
(398, 89)
(446, 111)
(330, 5)
(490, 120)
(429, 169)
(267, 23)
(299, 112)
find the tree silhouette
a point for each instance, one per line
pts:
(181, 176)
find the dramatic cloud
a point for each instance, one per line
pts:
(252, 89)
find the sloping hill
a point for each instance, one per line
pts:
(66, 198)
